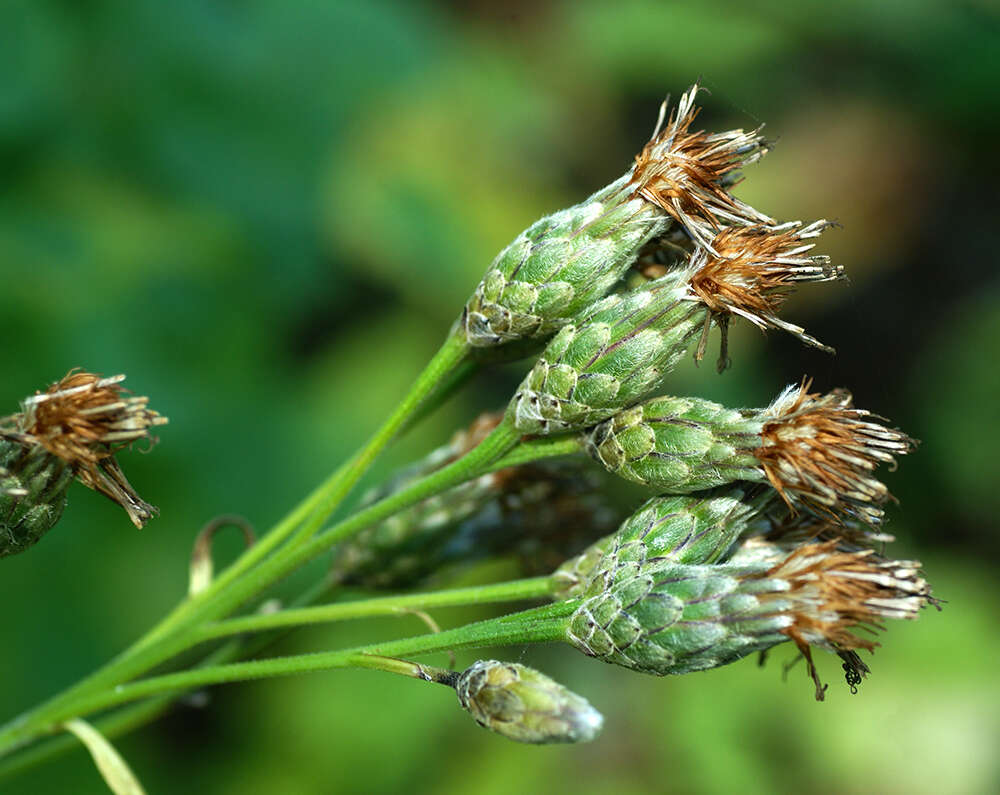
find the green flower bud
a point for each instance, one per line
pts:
(612, 357)
(817, 450)
(670, 619)
(683, 529)
(679, 444)
(33, 485)
(524, 705)
(567, 260)
(559, 265)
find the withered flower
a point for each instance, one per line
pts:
(687, 174)
(84, 420)
(824, 451)
(752, 270)
(831, 594)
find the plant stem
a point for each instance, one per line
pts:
(325, 499)
(539, 625)
(516, 590)
(181, 633)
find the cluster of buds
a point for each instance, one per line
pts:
(764, 526)
(71, 431)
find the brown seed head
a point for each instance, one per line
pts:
(687, 173)
(822, 451)
(756, 268)
(829, 593)
(84, 420)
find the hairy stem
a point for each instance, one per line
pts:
(160, 644)
(534, 588)
(325, 499)
(539, 625)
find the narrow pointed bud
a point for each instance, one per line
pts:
(84, 420)
(525, 705)
(687, 173)
(569, 259)
(815, 450)
(749, 272)
(681, 529)
(614, 355)
(33, 485)
(538, 513)
(671, 619)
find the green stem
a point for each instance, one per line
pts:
(516, 590)
(325, 499)
(540, 625)
(394, 665)
(160, 645)
(130, 717)
(136, 715)
(539, 448)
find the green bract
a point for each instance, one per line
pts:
(680, 444)
(672, 619)
(33, 486)
(611, 357)
(559, 265)
(682, 529)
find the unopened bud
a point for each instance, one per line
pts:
(525, 705)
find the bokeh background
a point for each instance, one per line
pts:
(267, 213)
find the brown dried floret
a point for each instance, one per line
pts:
(756, 268)
(823, 451)
(687, 173)
(831, 593)
(84, 420)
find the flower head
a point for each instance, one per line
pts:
(83, 420)
(664, 618)
(752, 270)
(687, 173)
(824, 451)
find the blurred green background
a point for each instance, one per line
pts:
(267, 213)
